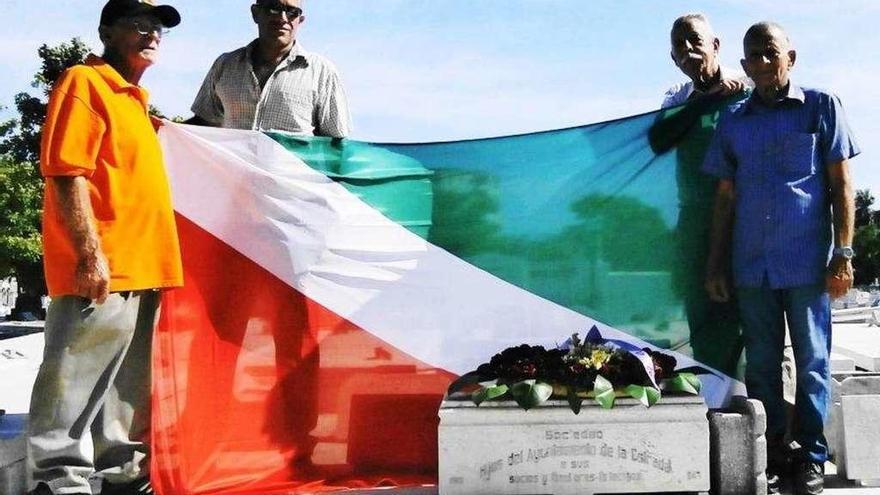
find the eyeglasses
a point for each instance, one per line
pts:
(276, 8)
(144, 28)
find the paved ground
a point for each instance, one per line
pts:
(20, 359)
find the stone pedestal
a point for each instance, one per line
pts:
(852, 432)
(738, 448)
(13, 454)
(498, 448)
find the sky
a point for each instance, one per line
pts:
(435, 70)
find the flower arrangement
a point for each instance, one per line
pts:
(598, 368)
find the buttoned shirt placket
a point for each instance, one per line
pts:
(772, 153)
(258, 111)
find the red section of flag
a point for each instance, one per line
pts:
(257, 389)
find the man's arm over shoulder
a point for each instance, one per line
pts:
(332, 115)
(733, 81)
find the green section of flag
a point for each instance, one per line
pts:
(586, 217)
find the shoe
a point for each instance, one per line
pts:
(43, 489)
(778, 466)
(774, 480)
(810, 478)
(140, 486)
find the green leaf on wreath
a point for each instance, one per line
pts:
(464, 381)
(684, 382)
(648, 396)
(488, 393)
(694, 380)
(530, 393)
(604, 391)
(574, 401)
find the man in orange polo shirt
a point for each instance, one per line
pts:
(110, 244)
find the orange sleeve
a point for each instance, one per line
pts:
(73, 131)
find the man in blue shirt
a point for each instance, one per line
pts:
(784, 194)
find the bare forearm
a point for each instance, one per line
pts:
(75, 209)
(839, 276)
(842, 203)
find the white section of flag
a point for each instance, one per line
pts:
(266, 203)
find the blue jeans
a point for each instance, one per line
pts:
(808, 311)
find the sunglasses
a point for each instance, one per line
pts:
(276, 8)
(145, 28)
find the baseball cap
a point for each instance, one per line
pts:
(116, 9)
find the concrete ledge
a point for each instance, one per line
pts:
(841, 363)
(861, 343)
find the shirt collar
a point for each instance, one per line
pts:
(726, 73)
(794, 94)
(297, 52)
(114, 79)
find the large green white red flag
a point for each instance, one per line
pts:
(334, 288)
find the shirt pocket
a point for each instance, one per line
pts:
(799, 158)
(298, 104)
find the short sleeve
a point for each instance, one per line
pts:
(333, 117)
(836, 140)
(719, 161)
(675, 95)
(73, 131)
(207, 104)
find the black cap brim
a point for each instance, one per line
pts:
(169, 16)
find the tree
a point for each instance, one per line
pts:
(866, 241)
(866, 263)
(864, 201)
(21, 188)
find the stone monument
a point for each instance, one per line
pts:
(498, 448)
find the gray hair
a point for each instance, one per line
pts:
(690, 18)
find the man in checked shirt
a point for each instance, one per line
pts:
(273, 83)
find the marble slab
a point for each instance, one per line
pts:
(499, 449)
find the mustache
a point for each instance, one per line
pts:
(687, 57)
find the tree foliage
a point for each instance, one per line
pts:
(21, 195)
(864, 201)
(21, 188)
(866, 241)
(21, 136)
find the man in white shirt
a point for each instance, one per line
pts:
(273, 83)
(714, 327)
(694, 49)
